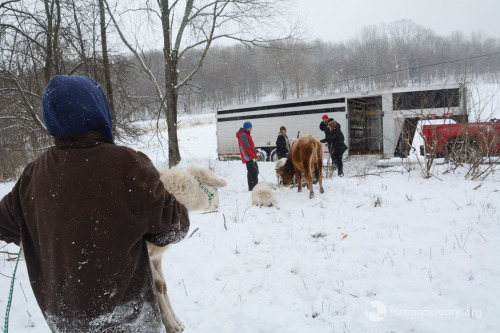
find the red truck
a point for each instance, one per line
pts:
(462, 142)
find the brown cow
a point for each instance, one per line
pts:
(305, 157)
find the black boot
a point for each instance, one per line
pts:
(340, 166)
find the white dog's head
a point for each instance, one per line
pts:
(195, 187)
(209, 183)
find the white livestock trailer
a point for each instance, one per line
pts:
(373, 122)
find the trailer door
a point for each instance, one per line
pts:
(365, 125)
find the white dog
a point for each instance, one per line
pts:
(195, 188)
(262, 195)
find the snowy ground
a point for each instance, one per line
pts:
(382, 250)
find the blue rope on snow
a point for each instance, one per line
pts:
(9, 302)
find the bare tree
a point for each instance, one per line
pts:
(40, 39)
(195, 26)
(105, 60)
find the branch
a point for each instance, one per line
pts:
(19, 31)
(30, 109)
(7, 2)
(209, 40)
(84, 62)
(184, 23)
(147, 72)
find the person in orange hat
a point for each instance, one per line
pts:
(323, 126)
(336, 146)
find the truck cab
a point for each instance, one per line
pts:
(462, 141)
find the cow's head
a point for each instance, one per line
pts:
(286, 172)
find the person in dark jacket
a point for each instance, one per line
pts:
(83, 211)
(282, 143)
(336, 145)
(248, 154)
(323, 125)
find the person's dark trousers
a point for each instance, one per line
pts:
(252, 174)
(334, 160)
(337, 160)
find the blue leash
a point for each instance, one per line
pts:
(9, 302)
(207, 191)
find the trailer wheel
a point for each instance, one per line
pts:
(274, 156)
(468, 154)
(261, 155)
(462, 151)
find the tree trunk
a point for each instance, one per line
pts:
(171, 93)
(174, 156)
(48, 57)
(80, 39)
(55, 44)
(105, 60)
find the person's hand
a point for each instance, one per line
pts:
(254, 160)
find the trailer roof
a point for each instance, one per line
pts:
(334, 98)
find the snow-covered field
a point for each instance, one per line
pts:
(382, 250)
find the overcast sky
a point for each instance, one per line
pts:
(340, 20)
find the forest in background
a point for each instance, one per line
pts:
(379, 58)
(38, 43)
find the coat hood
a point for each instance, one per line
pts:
(73, 104)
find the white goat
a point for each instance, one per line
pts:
(195, 188)
(262, 195)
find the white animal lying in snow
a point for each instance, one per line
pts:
(262, 195)
(195, 188)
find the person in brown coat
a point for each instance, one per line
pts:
(83, 211)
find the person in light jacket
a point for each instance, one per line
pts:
(282, 143)
(83, 211)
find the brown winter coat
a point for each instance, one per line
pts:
(83, 211)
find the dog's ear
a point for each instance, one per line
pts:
(215, 182)
(209, 178)
(280, 171)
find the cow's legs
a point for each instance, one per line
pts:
(299, 180)
(320, 177)
(319, 167)
(310, 184)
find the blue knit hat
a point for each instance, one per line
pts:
(73, 104)
(247, 124)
